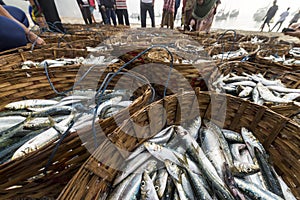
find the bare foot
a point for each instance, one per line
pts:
(33, 38)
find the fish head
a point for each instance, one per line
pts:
(145, 190)
(151, 146)
(173, 169)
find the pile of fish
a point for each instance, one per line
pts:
(28, 125)
(230, 54)
(52, 63)
(199, 162)
(257, 89)
(293, 59)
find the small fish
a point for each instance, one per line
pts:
(42, 122)
(267, 95)
(255, 192)
(241, 169)
(163, 153)
(160, 182)
(236, 79)
(133, 165)
(30, 103)
(242, 83)
(212, 149)
(223, 143)
(53, 110)
(291, 96)
(160, 138)
(9, 122)
(246, 92)
(194, 127)
(147, 188)
(283, 89)
(251, 141)
(128, 189)
(42, 139)
(268, 175)
(232, 136)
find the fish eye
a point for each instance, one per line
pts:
(248, 169)
(156, 187)
(143, 183)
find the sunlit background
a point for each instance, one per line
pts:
(69, 12)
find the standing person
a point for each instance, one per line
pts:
(37, 16)
(281, 19)
(168, 14)
(205, 13)
(147, 5)
(270, 14)
(102, 12)
(177, 5)
(92, 9)
(109, 6)
(295, 18)
(14, 30)
(51, 15)
(189, 22)
(122, 12)
(85, 11)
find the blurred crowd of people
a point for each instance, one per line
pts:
(293, 28)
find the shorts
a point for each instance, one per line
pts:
(92, 9)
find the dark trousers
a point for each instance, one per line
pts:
(110, 13)
(86, 15)
(12, 35)
(267, 21)
(51, 15)
(144, 8)
(103, 14)
(280, 23)
(177, 5)
(122, 14)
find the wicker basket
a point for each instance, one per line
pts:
(288, 77)
(184, 75)
(59, 41)
(279, 135)
(13, 61)
(26, 171)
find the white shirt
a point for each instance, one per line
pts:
(147, 1)
(283, 16)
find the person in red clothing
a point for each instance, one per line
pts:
(122, 12)
(168, 14)
(92, 8)
(85, 11)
